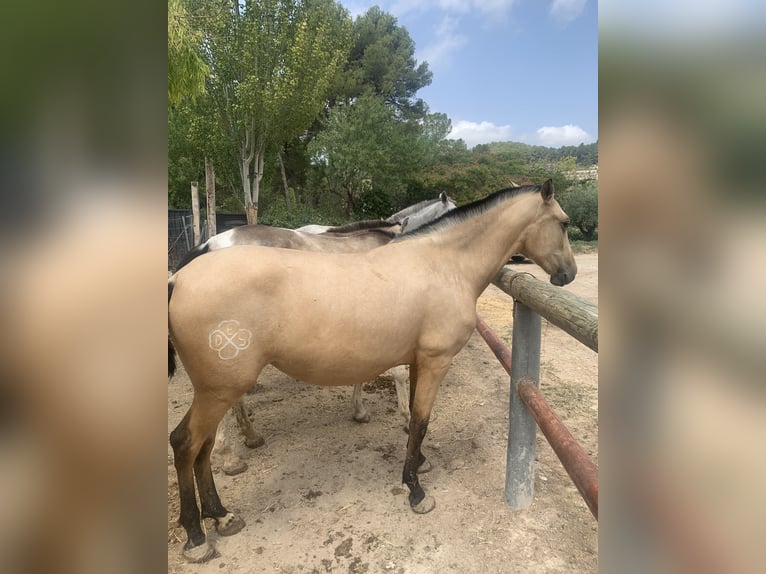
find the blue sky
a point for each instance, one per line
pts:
(506, 70)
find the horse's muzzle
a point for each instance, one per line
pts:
(561, 278)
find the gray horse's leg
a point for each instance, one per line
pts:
(224, 447)
(360, 411)
(401, 375)
(252, 438)
(224, 442)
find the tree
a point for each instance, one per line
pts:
(272, 63)
(364, 155)
(580, 203)
(382, 62)
(186, 68)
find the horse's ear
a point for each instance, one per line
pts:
(404, 223)
(547, 190)
(443, 197)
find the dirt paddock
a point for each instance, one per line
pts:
(325, 493)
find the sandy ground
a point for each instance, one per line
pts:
(324, 494)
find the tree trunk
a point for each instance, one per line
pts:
(195, 211)
(210, 192)
(244, 174)
(284, 182)
(252, 207)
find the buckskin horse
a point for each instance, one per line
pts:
(348, 238)
(339, 319)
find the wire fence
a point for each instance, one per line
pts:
(181, 232)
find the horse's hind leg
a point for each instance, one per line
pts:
(227, 523)
(192, 441)
(360, 411)
(184, 453)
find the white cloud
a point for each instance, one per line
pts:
(495, 8)
(563, 135)
(473, 133)
(565, 11)
(448, 39)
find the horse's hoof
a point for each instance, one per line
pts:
(424, 506)
(255, 442)
(199, 554)
(229, 524)
(234, 467)
(425, 467)
(363, 418)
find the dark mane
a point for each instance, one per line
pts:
(359, 226)
(374, 231)
(469, 210)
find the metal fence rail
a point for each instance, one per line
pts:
(578, 317)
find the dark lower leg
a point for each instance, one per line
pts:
(414, 459)
(211, 503)
(413, 384)
(183, 459)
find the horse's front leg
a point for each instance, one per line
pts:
(425, 378)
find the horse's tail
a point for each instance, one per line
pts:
(193, 253)
(171, 349)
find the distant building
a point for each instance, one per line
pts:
(585, 174)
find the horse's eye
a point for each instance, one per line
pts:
(564, 224)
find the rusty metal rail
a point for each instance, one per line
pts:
(502, 352)
(576, 462)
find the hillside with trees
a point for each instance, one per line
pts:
(300, 115)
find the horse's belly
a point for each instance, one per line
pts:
(333, 372)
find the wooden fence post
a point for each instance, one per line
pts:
(210, 193)
(522, 432)
(195, 211)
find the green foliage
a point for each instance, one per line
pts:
(382, 62)
(364, 155)
(580, 202)
(277, 215)
(337, 100)
(467, 175)
(272, 65)
(186, 68)
(585, 155)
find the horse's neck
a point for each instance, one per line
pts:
(478, 247)
(420, 218)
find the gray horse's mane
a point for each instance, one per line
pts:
(359, 226)
(407, 211)
(467, 211)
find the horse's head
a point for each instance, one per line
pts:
(445, 204)
(545, 239)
